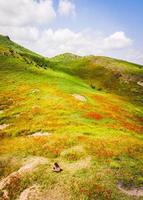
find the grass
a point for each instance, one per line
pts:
(107, 71)
(36, 95)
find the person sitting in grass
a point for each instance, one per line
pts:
(56, 168)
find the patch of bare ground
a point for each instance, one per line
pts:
(14, 178)
(30, 193)
(137, 192)
(40, 134)
(140, 83)
(57, 192)
(3, 126)
(79, 97)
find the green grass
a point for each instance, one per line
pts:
(36, 95)
(101, 72)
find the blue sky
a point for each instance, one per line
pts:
(99, 27)
(107, 16)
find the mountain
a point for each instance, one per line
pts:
(84, 113)
(103, 73)
(66, 57)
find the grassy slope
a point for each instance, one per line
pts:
(107, 126)
(104, 73)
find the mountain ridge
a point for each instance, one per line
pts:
(97, 71)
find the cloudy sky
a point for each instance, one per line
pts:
(100, 27)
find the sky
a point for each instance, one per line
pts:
(84, 27)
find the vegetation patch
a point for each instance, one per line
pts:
(94, 115)
(95, 135)
(74, 153)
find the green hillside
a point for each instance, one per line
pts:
(85, 113)
(9, 48)
(103, 73)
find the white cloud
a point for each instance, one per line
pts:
(27, 21)
(134, 55)
(66, 8)
(21, 34)
(49, 42)
(117, 40)
(26, 12)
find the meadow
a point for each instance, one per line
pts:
(97, 140)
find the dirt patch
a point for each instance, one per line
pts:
(30, 193)
(3, 126)
(28, 167)
(140, 83)
(31, 164)
(40, 134)
(79, 97)
(54, 193)
(138, 192)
